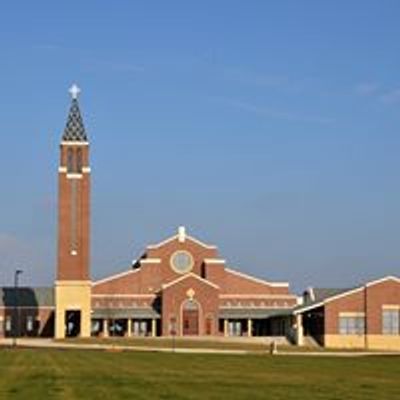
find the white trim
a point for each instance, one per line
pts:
(65, 282)
(174, 237)
(149, 261)
(189, 275)
(390, 306)
(360, 288)
(351, 314)
(115, 276)
(385, 278)
(329, 299)
(347, 293)
(344, 294)
(258, 296)
(173, 266)
(255, 307)
(85, 170)
(199, 242)
(214, 261)
(307, 308)
(74, 143)
(125, 296)
(257, 280)
(155, 246)
(74, 176)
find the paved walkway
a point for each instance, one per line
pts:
(49, 343)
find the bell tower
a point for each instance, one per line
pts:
(73, 285)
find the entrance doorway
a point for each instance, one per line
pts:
(72, 323)
(190, 318)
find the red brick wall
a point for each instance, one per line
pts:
(73, 267)
(237, 284)
(369, 300)
(150, 278)
(174, 296)
(351, 303)
(388, 293)
(165, 252)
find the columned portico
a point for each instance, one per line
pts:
(249, 327)
(153, 327)
(129, 328)
(299, 330)
(105, 328)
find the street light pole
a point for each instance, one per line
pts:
(17, 273)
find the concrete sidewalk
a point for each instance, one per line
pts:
(51, 344)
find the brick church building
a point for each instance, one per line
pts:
(180, 286)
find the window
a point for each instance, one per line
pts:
(182, 262)
(235, 328)
(70, 161)
(391, 322)
(79, 160)
(351, 325)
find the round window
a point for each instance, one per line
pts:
(182, 262)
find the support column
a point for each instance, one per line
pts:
(129, 328)
(226, 333)
(249, 327)
(105, 327)
(299, 330)
(153, 327)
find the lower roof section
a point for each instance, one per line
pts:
(224, 313)
(253, 313)
(125, 313)
(27, 297)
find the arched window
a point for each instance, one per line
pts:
(79, 161)
(70, 160)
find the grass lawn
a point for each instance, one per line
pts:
(78, 374)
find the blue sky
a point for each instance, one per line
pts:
(271, 129)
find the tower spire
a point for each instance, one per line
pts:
(74, 130)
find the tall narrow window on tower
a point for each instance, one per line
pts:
(70, 161)
(79, 161)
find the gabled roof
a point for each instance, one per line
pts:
(181, 236)
(115, 276)
(27, 297)
(326, 295)
(256, 280)
(187, 276)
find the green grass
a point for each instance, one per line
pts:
(169, 343)
(78, 374)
